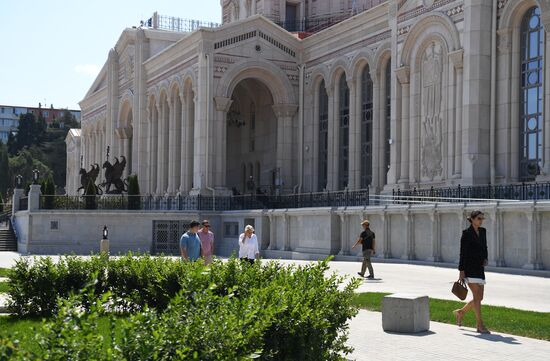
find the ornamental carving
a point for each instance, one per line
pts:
(432, 70)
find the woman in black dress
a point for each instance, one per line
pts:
(473, 259)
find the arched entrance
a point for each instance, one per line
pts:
(251, 150)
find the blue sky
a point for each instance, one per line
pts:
(51, 50)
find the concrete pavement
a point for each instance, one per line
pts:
(442, 343)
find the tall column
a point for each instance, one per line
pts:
(533, 240)
(456, 58)
(315, 138)
(477, 99)
(171, 188)
(222, 108)
(546, 128)
(377, 136)
(185, 176)
(403, 75)
(504, 93)
(332, 139)
(160, 149)
(354, 161)
(394, 171)
(285, 114)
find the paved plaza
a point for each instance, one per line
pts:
(442, 342)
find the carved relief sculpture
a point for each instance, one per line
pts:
(432, 69)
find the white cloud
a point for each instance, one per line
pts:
(87, 69)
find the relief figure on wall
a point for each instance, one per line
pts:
(432, 70)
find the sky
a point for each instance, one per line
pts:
(52, 50)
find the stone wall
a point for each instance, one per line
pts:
(517, 232)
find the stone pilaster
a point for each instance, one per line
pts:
(403, 75)
(477, 99)
(222, 108)
(285, 114)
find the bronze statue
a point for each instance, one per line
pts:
(113, 176)
(86, 177)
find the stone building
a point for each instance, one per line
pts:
(326, 95)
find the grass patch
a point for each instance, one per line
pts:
(4, 272)
(499, 319)
(3, 287)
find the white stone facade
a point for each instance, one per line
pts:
(407, 93)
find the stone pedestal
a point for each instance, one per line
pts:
(405, 313)
(34, 197)
(18, 193)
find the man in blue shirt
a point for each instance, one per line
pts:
(190, 244)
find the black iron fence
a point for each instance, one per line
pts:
(23, 203)
(519, 192)
(207, 203)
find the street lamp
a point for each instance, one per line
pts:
(105, 232)
(35, 176)
(104, 242)
(19, 181)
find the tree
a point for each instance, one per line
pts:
(1, 203)
(134, 201)
(48, 190)
(30, 131)
(4, 169)
(24, 163)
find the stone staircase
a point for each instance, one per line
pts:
(8, 242)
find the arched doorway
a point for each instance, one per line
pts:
(251, 149)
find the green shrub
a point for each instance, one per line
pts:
(180, 310)
(48, 190)
(134, 200)
(1, 203)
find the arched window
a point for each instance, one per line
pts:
(343, 154)
(531, 121)
(387, 120)
(323, 137)
(366, 128)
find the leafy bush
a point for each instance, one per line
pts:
(134, 200)
(179, 310)
(90, 196)
(48, 190)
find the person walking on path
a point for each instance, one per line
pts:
(367, 239)
(473, 259)
(207, 242)
(190, 244)
(248, 245)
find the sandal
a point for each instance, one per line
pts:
(483, 331)
(459, 315)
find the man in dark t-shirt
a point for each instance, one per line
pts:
(367, 239)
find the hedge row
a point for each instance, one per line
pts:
(185, 311)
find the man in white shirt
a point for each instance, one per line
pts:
(248, 245)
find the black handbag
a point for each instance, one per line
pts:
(460, 290)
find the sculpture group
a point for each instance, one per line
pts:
(113, 177)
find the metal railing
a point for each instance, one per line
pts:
(23, 203)
(207, 203)
(172, 23)
(520, 192)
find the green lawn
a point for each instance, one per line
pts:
(4, 272)
(498, 319)
(3, 287)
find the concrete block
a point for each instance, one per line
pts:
(405, 313)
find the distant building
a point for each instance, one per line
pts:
(9, 117)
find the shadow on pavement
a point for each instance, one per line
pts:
(418, 334)
(494, 338)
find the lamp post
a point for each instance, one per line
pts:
(19, 181)
(35, 176)
(104, 243)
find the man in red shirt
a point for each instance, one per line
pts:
(207, 242)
